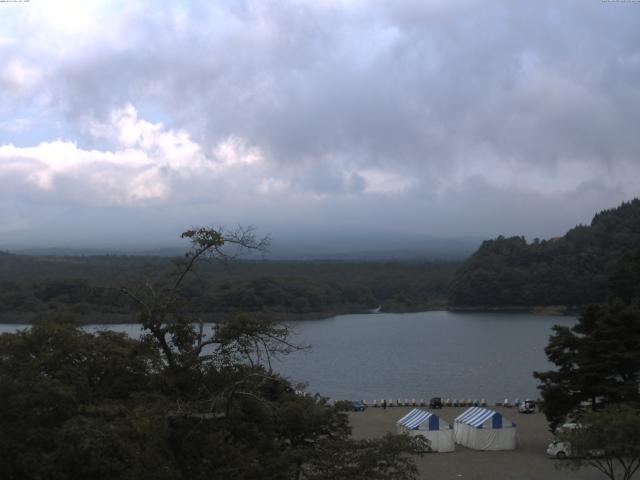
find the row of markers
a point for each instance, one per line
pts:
(447, 403)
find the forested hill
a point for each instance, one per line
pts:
(570, 270)
(33, 286)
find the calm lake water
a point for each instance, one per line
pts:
(416, 355)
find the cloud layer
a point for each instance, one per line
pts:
(446, 118)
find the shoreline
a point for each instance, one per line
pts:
(101, 318)
(542, 310)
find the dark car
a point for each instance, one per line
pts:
(358, 406)
(435, 402)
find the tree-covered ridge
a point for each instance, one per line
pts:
(89, 286)
(570, 270)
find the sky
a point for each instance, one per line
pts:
(131, 121)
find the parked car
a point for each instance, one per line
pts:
(358, 406)
(528, 406)
(558, 449)
(435, 402)
(562, 449)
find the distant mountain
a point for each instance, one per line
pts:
(568, 270)
(375, 247)
(364, 247)
(94, 251)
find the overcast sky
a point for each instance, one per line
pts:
(122, 121)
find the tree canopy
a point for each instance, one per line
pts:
(598, 359)
(31, 287)
(180, 402)
(570, 270)
(608, 440)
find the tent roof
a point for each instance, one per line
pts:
(415, 418)
(475, 416)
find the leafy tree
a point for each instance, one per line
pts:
(181, 402)
(598, 359)
(608, 440)
(58, 383)
(349, 459)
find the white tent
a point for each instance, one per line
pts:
(484, 429)
(433, 428)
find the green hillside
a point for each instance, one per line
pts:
(571, 270)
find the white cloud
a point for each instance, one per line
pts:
(6, 41)
(63, 169)
(145, 157)
(234, 151)
(18, 75)
(388, 183)
(321, 108)
(274, 185)
(16, 125)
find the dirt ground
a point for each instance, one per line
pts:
(527, 462)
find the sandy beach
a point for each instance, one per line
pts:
(527, 462)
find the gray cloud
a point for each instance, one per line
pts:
(449, 118)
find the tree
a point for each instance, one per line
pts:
(570, 270)
(348, 459)
(78, 403)
(624, 283)
(598, 359)
(608, 440)
(598, 362)
(162, 308)
(180, 403)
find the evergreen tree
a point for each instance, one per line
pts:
(598, 359)
(571, 270)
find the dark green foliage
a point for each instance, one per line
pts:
(608, 440)
(571, 270)
(89, 286)
(364, 459)
(57, 384)
(287, 294)
(77, 405)
(625, 280)
(598, 359)
(180, 403)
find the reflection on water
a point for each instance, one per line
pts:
(416, 355)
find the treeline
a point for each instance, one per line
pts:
(91, 286)
(571, 270)
(505, 272)
(182, 402)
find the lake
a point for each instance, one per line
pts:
(420, 355)
(416, 355)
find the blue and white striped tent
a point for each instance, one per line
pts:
(429, 425)
(484, 429)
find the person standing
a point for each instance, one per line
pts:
(384, 406)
